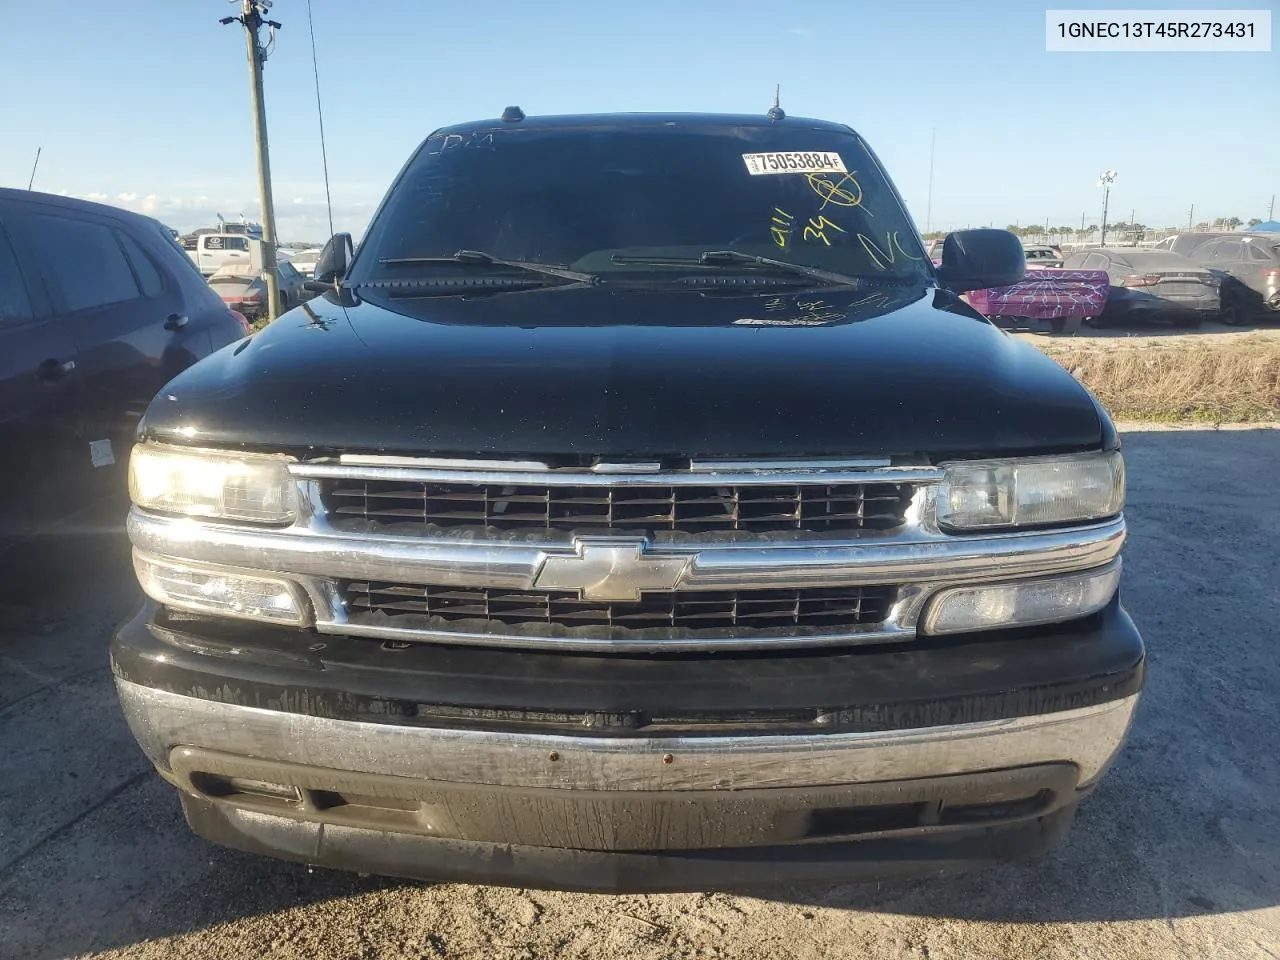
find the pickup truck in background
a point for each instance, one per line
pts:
(210, 251)
(667, 522)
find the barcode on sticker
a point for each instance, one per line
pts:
(795, 162)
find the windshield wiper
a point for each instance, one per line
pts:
(715, 258)
(468, 257)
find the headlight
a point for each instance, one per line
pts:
(981, 494)
(228, 593)
(208, 483)
(1021, 604)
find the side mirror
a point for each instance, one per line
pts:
(977, 259)
(334, 259)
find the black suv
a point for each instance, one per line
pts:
(98, 309)
(641, 509)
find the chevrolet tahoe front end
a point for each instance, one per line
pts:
(690, 574)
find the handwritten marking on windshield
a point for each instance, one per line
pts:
(781, 229)
(845, 192)
(873, 300)
(818, 310)
(453, 141)
(807, 313)
(818, 227)
(882, 256)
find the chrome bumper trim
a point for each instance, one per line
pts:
(916, 561)
(1089, 737)
(736, 473)
(910, 557)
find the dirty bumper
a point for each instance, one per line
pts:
(660, 813)
(270, 762)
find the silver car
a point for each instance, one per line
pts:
(241, 288)
(1043, 257)
(1249, 268)
(1151, 284)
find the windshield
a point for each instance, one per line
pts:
(588, 196)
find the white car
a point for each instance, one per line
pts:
(304, 261)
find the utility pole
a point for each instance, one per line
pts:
(253, 20)
(1271, 211)
(1105, 179)
(1190, 217)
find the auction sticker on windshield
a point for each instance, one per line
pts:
(795, 162)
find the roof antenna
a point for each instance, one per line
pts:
(775, 112)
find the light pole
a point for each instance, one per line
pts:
(1105, 180)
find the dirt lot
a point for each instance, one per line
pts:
(1177, 855)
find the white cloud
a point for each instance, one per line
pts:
(298, 220)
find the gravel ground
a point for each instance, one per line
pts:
(1176, 855)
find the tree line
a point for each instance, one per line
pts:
(1119, 227)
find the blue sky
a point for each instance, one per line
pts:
(147, 105)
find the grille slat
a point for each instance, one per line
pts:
(700, 509)
(829, 608)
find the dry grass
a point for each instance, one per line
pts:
(1238, 382)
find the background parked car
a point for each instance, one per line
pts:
(1042, 257)
(1186, 243)
(241, 288)
(1151, 284)
(1250, 269)
(99, 309)
(212, 251)
(304, 261)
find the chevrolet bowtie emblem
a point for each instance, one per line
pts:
(610, 568)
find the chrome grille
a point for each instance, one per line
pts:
(827, 608)
(693, 509)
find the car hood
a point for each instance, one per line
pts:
(582, 372)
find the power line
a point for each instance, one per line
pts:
(324, 158)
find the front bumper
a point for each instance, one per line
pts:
(640, 773)
(250, 309)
